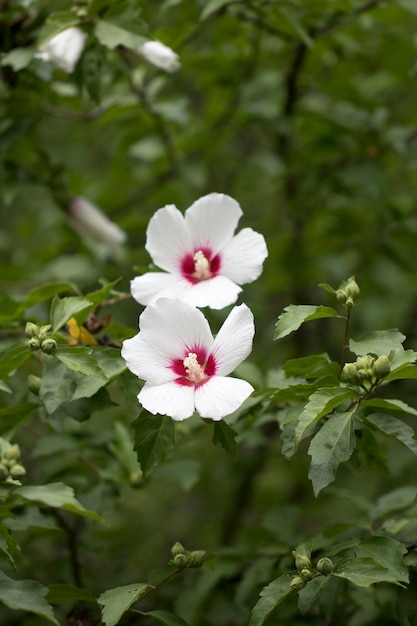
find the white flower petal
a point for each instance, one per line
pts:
(89, 221)
(243, 256)
(144, 361)
(171, 399)
(234, 340)
(220, 396)
(171, 327)
(148, 288)
(160, 55)
(212, 220)
(167, 238)
(64, 49)
(216, 293)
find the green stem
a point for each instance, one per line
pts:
(153, 588)
(345, 342)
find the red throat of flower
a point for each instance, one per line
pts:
(202, 265)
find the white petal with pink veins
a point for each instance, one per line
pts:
(212, 220)
(146, 362)
(168, 399)
(173, 328)
(233, 342)
(167, 238)
(243, 256)
(221, 396)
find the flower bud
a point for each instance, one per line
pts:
(48, 345)
(302, 562)
(341, 296)
(43, 332)
(17, 470)
(350, 373)
(196, 558)
(160, 55)
(4, 472)
(325, 566)
(179, 561)
(34, 344)
(177, 548)
(31, 330)
(382, 367)
(306, 574)
(34, 384)
(352, 289)
(12, 453)
(297, 583)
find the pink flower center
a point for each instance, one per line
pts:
(193, 369)
(201, 265)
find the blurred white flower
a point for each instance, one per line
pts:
(184, 368)
(93, 224)
(204, 262)
(160, 55)
(64, 49)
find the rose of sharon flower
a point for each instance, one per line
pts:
(184, 368)
(204, 261)
(64, 49)
(92, 223)
(160, 55)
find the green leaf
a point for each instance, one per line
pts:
(362, 571)
(390, 405)
(308, 596)
(64, 308)
(378, 342)
(26, 595)
(58, 594)
(154, 437)
(55, 495)
(18, 58)
(57, 385)
(296, 314)
(395, 428)
(303, 549)
(332, 445)
(388, 553)
(308, 366)
(57, 22)
(214, 5)
(12, 418)
(117, 601)
(321, 403)
(101, 295)
(225, 435)
(12, 358)
(396, 500)
(111, 36)
(166, 617)
(46, 292)
(80, 359)
(270, 597)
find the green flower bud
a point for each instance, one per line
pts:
(43, 332)
(363, 362)
(179, 561)
(177, 548)
(325, 566)
(352, 289)
(31, 330)
(48, 345)
(306, 574)
(34, 384)
(350, 373)
(196, 558)
(297, 583)
(17, 470)
(12, 453)
(341, 296)
(4, 472)
(382, 367)
(302, 562)
(34, 344)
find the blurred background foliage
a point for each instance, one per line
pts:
(305, 112)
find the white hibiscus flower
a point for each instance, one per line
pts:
(184, 367)
(160, 55)
(204, 262)
(64, 49)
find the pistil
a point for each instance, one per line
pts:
(202, 270)
(193, 369)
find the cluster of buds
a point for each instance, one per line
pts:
(348, 293)
(367, 369)
(10, 466)
(39, 338)
(324, 567)
(182, 558)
